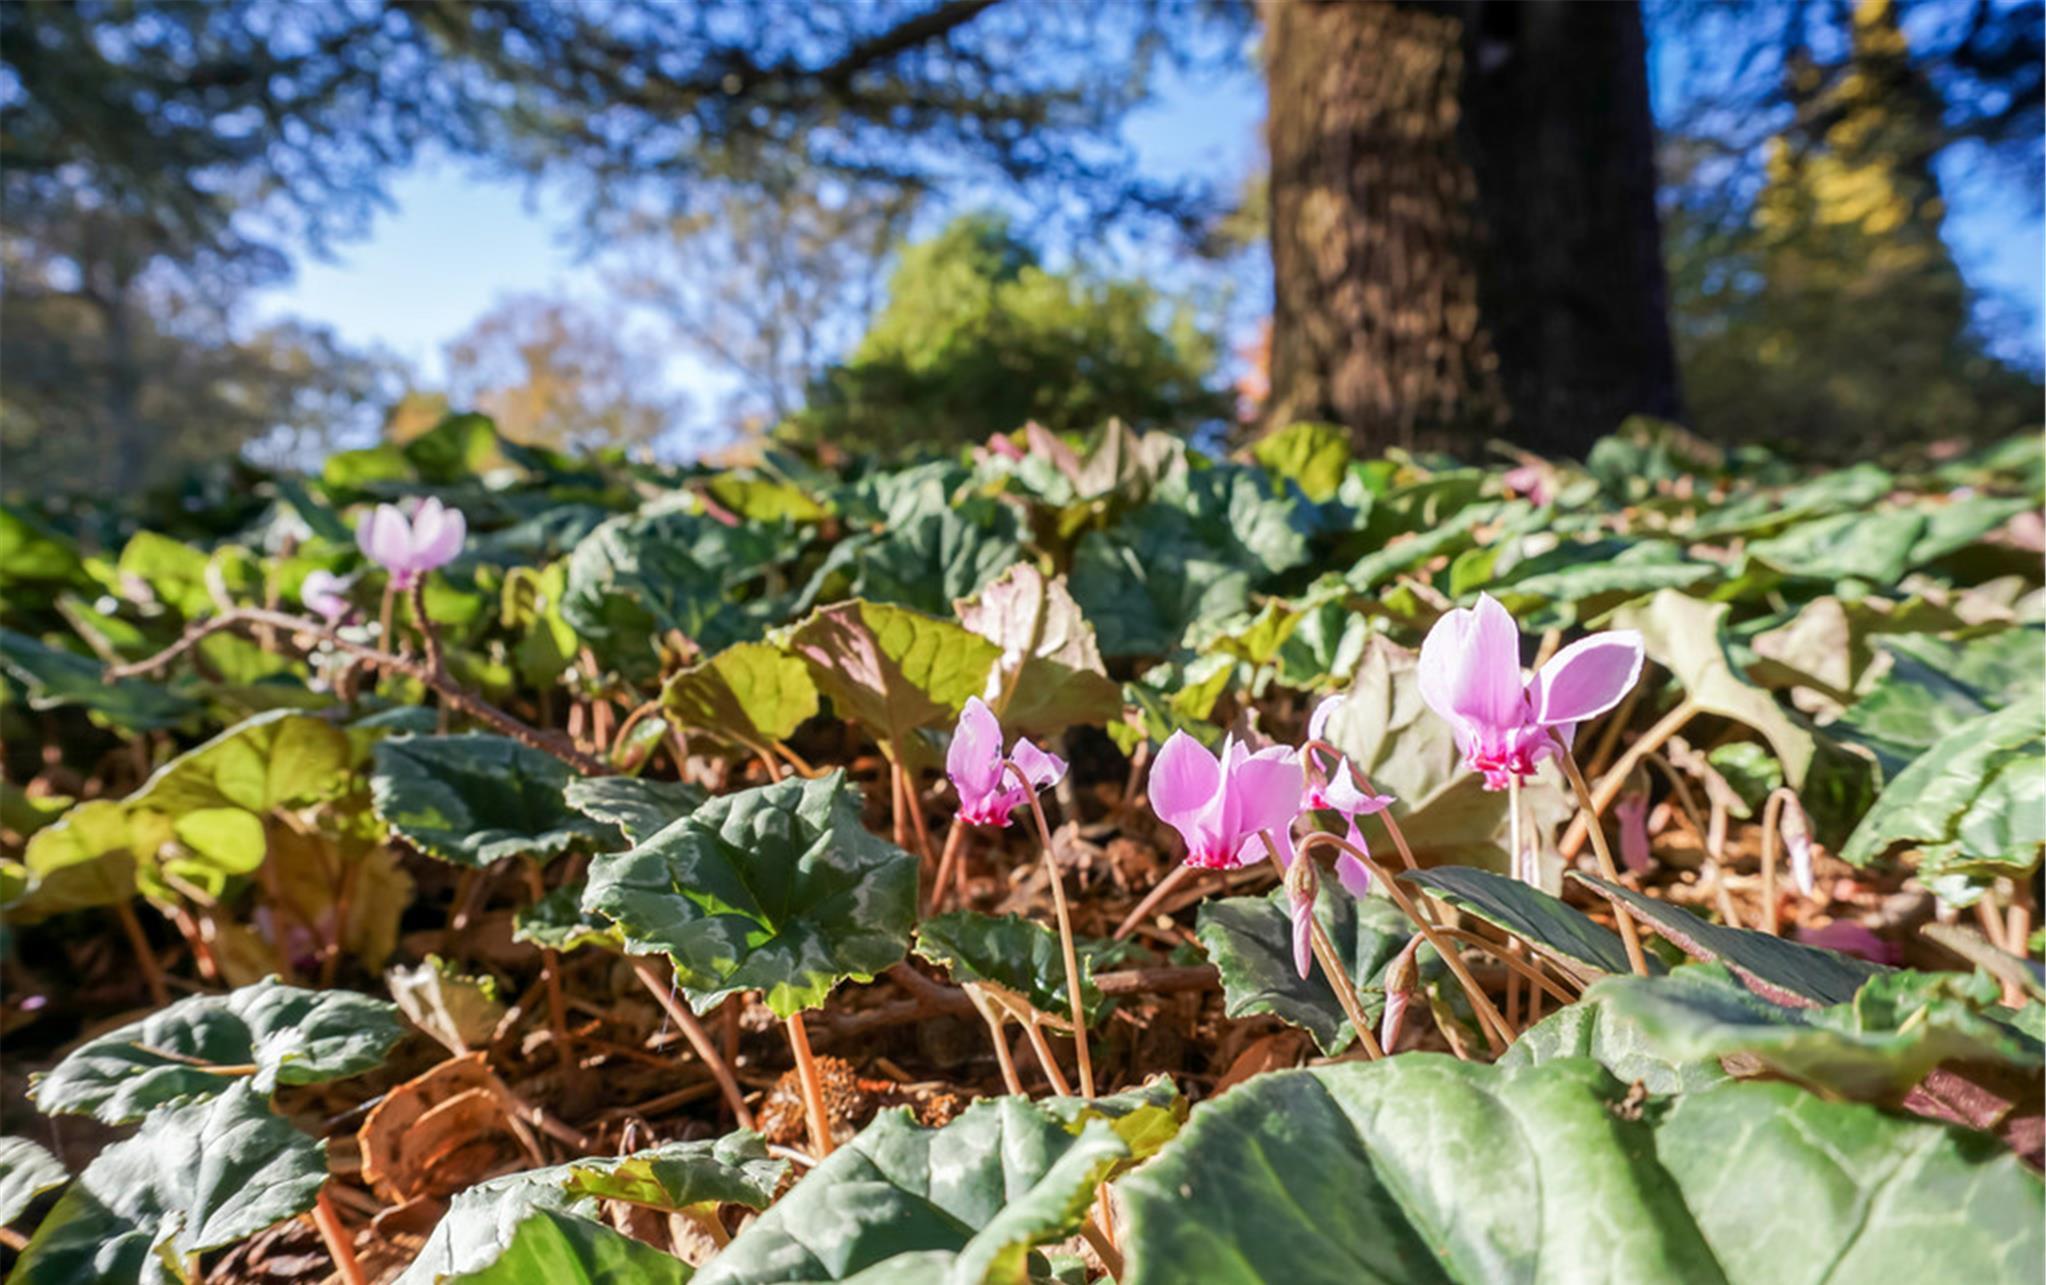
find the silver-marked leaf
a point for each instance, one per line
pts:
(639, 808)
(557, 921)
(1250, 940)
(482, 1227)
(779, 889)
(1011, 952)
(1421, 1168)
(1561, 932)
(964, 1203)
(1783, 971)
(195, 1177)
(1974, 803)
(26, 1171)
(476, 799)
(1873, 1048)
(202, 1045)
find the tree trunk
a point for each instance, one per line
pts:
(1464, 235)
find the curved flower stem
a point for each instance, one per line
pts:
(1510, 959)
(918, 826)
(1000, 1039)
(1497, 1033)
(954, 853)
(699, 1039)
(1159, 892)
(1772, 815)
(339, 1244)
(1519, 866)
(452, 692)
(1331, 964)
(1629, 934)
(1609, 785)
(1042, 1047)
(1072, 956)
(429, 638)
(813, 1088)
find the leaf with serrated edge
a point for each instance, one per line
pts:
(26, 1171)
(1009, 951)
(193, 1178)
(1250, 940)
(779, 889)
(750, 695)
(476, 799)
(890, 669)
(286, 1034)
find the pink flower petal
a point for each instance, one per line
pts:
(1344, 795)
(386, 537)
(1317, 722)
(1040, 767)
(1303, 934)
(437, 534)
(1470, 667)
(1587, 678)
(974, 759)
(1263, 794)
(1185, 778)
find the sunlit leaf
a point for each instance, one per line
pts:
(1250, 940)
(475, 799)
(778, 889)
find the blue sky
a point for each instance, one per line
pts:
(455, 241)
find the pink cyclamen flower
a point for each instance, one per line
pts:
(410, 549)
(1219, 805)
(1336, 790)
(988, 792)
(326, 595)
(1506, 724)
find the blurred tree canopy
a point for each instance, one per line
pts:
(1462, 193)
(978, 337)
(560, 374)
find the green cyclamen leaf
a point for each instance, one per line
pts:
(1783, 971)
(26, 1171)
(193, 1178)
(483, 1229)
(1250, 940)
(1561, 932)
(1010, 952)
(779, 889)
(179, 1054)
(476, 799)
(963, 1203)
(1422, 1168)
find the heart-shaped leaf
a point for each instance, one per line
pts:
(475, 799)
(1974, 803)
(557, 921)
(890, 669)
(1050, 675)
(1561, 932)
(779, 889)
(194, 1178)
(1146, 580)
(1783, 971)
(962, 1203)
(1874, 1048)
(1250, 940)
(1421, 1168)
(1933, 686)
(750, 695)
(482, 1229)
(202, 1045)
(1007, 951)
(56, 678)
(26, 1171)
(639, 808)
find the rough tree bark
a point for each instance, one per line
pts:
(1464, 234)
